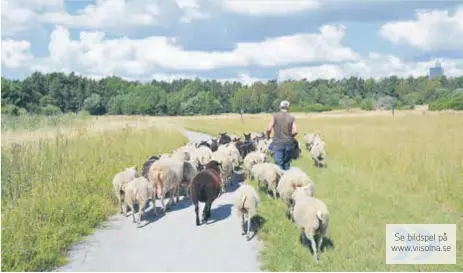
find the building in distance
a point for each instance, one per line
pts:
(436, 71)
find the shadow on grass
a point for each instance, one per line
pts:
(257, 223)
(326, 244)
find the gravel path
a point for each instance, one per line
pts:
(170, 243)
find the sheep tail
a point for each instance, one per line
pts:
(322, 216)
(243, 202)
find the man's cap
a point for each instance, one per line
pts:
(284, 104)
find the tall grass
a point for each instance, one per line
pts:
(55, 191)
(35, 122)
(381, 170)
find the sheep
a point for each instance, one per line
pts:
(214, 145)
(257, 136)
(224, 138)
(246, 205)
(293, 177)
(253, 158)
(147, 165)
(309, 140)
(311, 215)
(166, 175)
(227, 166)
(262, 146)
(138, 191)
(232, 151)
(318, 153)
(189, 172)
(205, 188)
(267, 173)
(201, 156)
(119, 180)
(165, 156)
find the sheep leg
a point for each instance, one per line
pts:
(314, 247)
(178, 193)
(248, 237)
(133, 212)
(320, 241)
(154, 207)
(242, 224)
(196, 212)
(141, 210)
(160, 192)
(120, 203)
(204, 214)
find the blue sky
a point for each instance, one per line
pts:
(231, 39)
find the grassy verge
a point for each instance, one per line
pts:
(382, 170)
(55, 191)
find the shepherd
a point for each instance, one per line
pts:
(285, 130)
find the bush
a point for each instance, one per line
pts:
(13, 110)
(50, 110)
(318, 108)
(455, 103)
(367, 104)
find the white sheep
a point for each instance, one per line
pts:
(290, 178)
(201, 156)
(226, 167)
(166, 175)
(268, 174)
(311, 215)
(253, 158)
(231, 150)
(309, 140)
(119, 180)
(246, 205)
(318, 153)
(262, 146)
(164, 156)
(139, 191)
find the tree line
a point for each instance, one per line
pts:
(55, 93)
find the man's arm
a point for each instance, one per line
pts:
(270, 127)
(294, 131)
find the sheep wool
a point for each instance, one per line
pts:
(246, 205)
(139, 191)
(119, 180)
(268, 174)
(289, 179)
(311, 215)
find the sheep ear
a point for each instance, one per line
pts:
(294, 186)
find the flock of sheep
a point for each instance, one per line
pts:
(205, 169)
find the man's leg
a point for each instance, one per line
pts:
(287, 156)
(278, 156)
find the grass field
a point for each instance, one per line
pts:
(57, 188)
(381, 170)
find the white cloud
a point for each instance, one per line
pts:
(15, 53)
(432, 30)
(21, 15)
(191, 10)
(374, 66)
(269, 7)
(106, 14)
(93, 54)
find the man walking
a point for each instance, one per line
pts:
(284, 126)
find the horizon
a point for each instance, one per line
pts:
(238, 41)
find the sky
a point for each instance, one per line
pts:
(239, 40)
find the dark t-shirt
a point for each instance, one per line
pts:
(283, 127)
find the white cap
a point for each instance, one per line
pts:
(284, 104)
